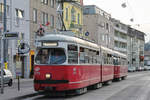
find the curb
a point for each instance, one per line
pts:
(22, 80)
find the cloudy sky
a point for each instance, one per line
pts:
(139, 10)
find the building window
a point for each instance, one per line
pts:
(87, 11)
(78, 18)
(44, 18)
(35, 15)
(106, 39)
(107, 26)
(52, 21)
(66, 14)
(109, 40)
(73, 16)
(52, 3)
(19, 13)
(103, 38)
(2, 11)
(44, 2)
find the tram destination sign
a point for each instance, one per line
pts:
(11, 35)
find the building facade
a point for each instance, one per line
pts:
(27, 17)
(73, 16)
(135, 46)
(120, 36)
(146, 58)
(17, 21)
(99, 28)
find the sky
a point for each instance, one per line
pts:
(139, 10)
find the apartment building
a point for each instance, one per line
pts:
(120, 36)
(73, 17)
(17, 21)
(98, 26)
(135, 46)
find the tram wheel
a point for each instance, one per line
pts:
(97, 86)
(119, 79)
(109, 82)
(81, 91)
(124, 78)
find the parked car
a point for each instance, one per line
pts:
(8, 78)
(131, 69)
(147, 67)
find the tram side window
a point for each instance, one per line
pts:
(72, 54)
(109, 57)
(124, 62)
(87, 59)
(82, 55)
(94, 57)
(119, 61)
(115, 61)
(90, 54)
(98, 57)
(105, 58)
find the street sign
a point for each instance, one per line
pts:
(18, 68)
(11, 35)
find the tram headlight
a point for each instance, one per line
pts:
(48, 76)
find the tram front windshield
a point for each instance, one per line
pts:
(50, 56)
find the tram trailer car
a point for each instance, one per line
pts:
(120, 66)
(65, 63)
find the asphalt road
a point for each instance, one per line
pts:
(135, 87)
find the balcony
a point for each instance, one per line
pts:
(120, 49)
(120, 30)
(120, 39)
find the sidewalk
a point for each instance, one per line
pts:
(12, 93)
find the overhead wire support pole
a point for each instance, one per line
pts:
(4, 46)
(5, 29)
(2, 65)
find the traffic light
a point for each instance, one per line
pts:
(40, 31)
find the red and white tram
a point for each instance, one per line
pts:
(65, 63)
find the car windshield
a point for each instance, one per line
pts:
(50, 56)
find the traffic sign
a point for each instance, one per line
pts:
(23, 48)
(11, 35)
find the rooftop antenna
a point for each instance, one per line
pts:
(60, 11)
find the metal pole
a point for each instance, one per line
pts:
(18, 83)
(2, 65)
(5, 30)
(3, 48)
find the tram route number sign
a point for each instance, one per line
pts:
(11, 35)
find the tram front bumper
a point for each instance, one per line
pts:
(52, 85)
(50, 81)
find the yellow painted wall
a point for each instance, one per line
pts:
(78, 10)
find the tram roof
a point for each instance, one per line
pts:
(120, 54)
(66, 38)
